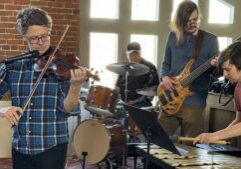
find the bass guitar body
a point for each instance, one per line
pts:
(172, 100)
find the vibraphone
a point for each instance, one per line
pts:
(195, 159)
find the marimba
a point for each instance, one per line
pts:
(195, 159)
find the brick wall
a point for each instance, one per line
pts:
(63, 12)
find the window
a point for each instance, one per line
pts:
(148, 46)
(103, 51)
(107, 9)
(220, 12)
(224, 42)
(112, 24)
(145, 10)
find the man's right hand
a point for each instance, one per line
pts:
(205, 138)
(168, 82)
(12, 114)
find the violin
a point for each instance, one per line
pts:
(61, 65)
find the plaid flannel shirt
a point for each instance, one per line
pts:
(44, 122)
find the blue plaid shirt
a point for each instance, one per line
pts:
(44, 122)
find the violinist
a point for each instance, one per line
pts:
(40, 132)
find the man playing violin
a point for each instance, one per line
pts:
(40, 135)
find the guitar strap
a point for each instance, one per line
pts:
(198, 45)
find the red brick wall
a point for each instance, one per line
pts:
(63, 12)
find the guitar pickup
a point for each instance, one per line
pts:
(163, 100)
(175, 93)
(169, 94)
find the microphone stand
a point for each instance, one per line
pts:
(28, 55)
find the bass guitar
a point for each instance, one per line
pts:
(172, 100)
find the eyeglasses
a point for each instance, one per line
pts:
(194, 20)
(35, 39)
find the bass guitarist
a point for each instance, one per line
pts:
(187, 42)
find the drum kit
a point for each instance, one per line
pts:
(104, 137)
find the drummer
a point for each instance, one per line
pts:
(135, 82)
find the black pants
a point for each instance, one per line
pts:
(54, 158)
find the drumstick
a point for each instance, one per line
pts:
(190, 139)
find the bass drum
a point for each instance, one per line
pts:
(99, 139)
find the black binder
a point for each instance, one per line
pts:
(151, 128)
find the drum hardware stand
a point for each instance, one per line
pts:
(110, 163)
(84, 154)
(125, 119)
(126, 123)
(148, 135)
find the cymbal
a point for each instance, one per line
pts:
(134, 69)
(148, 91)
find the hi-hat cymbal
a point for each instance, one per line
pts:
(148, 91)
(134, 69)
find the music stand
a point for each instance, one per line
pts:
(152, 130)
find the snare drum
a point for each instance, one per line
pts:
(99, 139)
(102, 98)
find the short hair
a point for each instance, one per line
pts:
(32, 16)
(181, 17)
(231, 53)
(133, 47)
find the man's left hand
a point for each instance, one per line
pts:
(78, 76)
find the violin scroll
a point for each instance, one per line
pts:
(91, 75)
